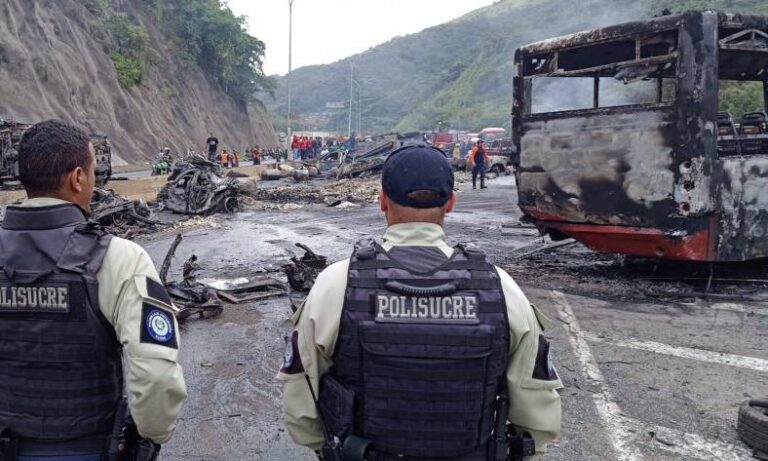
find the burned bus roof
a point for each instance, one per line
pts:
(727, 20)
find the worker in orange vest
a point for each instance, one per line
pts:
(224, 158)
(478, 158)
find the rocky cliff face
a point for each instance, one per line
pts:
(53, 64)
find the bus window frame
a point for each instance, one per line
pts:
(524, 80)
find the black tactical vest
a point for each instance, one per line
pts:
(60, 364)
(423, 345)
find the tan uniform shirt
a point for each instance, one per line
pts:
(535, 404)
(154, 378)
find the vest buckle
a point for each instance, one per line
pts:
(366, 252)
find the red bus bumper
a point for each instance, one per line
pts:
(640, 241)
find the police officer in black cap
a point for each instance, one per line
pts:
(74, 304)
(416, 350)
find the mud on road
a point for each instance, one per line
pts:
(652, 371)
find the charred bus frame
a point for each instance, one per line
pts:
(642, 172)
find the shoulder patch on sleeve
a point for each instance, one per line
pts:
(291, 358)
(157, 327)
(544, 369)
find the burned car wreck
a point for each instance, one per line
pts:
(197, 186)
(621, 143)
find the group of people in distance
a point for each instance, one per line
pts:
(305, 147)
(230, 158)
(310, 147)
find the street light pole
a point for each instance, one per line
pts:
(359, 105)
(351, 80)
(290, 50)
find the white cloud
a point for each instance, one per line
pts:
(328, 30)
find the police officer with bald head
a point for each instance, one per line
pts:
(416, 350)
(83, 320)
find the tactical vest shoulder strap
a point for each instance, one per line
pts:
(366, 249)
(85, 250)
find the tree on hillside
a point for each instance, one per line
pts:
(209, 34)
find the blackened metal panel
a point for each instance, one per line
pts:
(744, 219)
(610, 166)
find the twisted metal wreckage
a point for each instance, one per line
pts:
(197, 186)
(11, 133)
(205, 297)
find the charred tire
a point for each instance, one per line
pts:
(497, 169)
(119, 219)
(231, 204)
(752, 424)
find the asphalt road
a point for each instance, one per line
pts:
(644, 380)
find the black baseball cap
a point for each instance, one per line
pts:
(418, 176)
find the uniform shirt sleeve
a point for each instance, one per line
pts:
(154, 378)
(309, 353)
(532, 381)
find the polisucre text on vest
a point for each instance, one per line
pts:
(394, 308)
(34, 298)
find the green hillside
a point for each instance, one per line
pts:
(459, 74)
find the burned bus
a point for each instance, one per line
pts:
(621, 143)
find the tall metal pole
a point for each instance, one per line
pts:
(351, 77)
(290, 50)
(359, 109)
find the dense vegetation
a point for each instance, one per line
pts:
(209, 34)
(205, 32)
(459, 74)
(131, 49)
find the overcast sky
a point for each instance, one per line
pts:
(325, 31)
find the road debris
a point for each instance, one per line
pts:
(302, 272)
(197, 186)
(190, 297)
(331, 193)
(535, 248)
(752, 426)
(204, 296)
(304, 172)
(120, 216)
(241, 290)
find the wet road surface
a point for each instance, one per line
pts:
(644, 380)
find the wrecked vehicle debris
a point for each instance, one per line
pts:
(242, 290)
(103, 150)
(10, 136)
(197, 186)
(635, 167)
(190, 296)
(302, 272)
(120, 216)
(204, 296)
